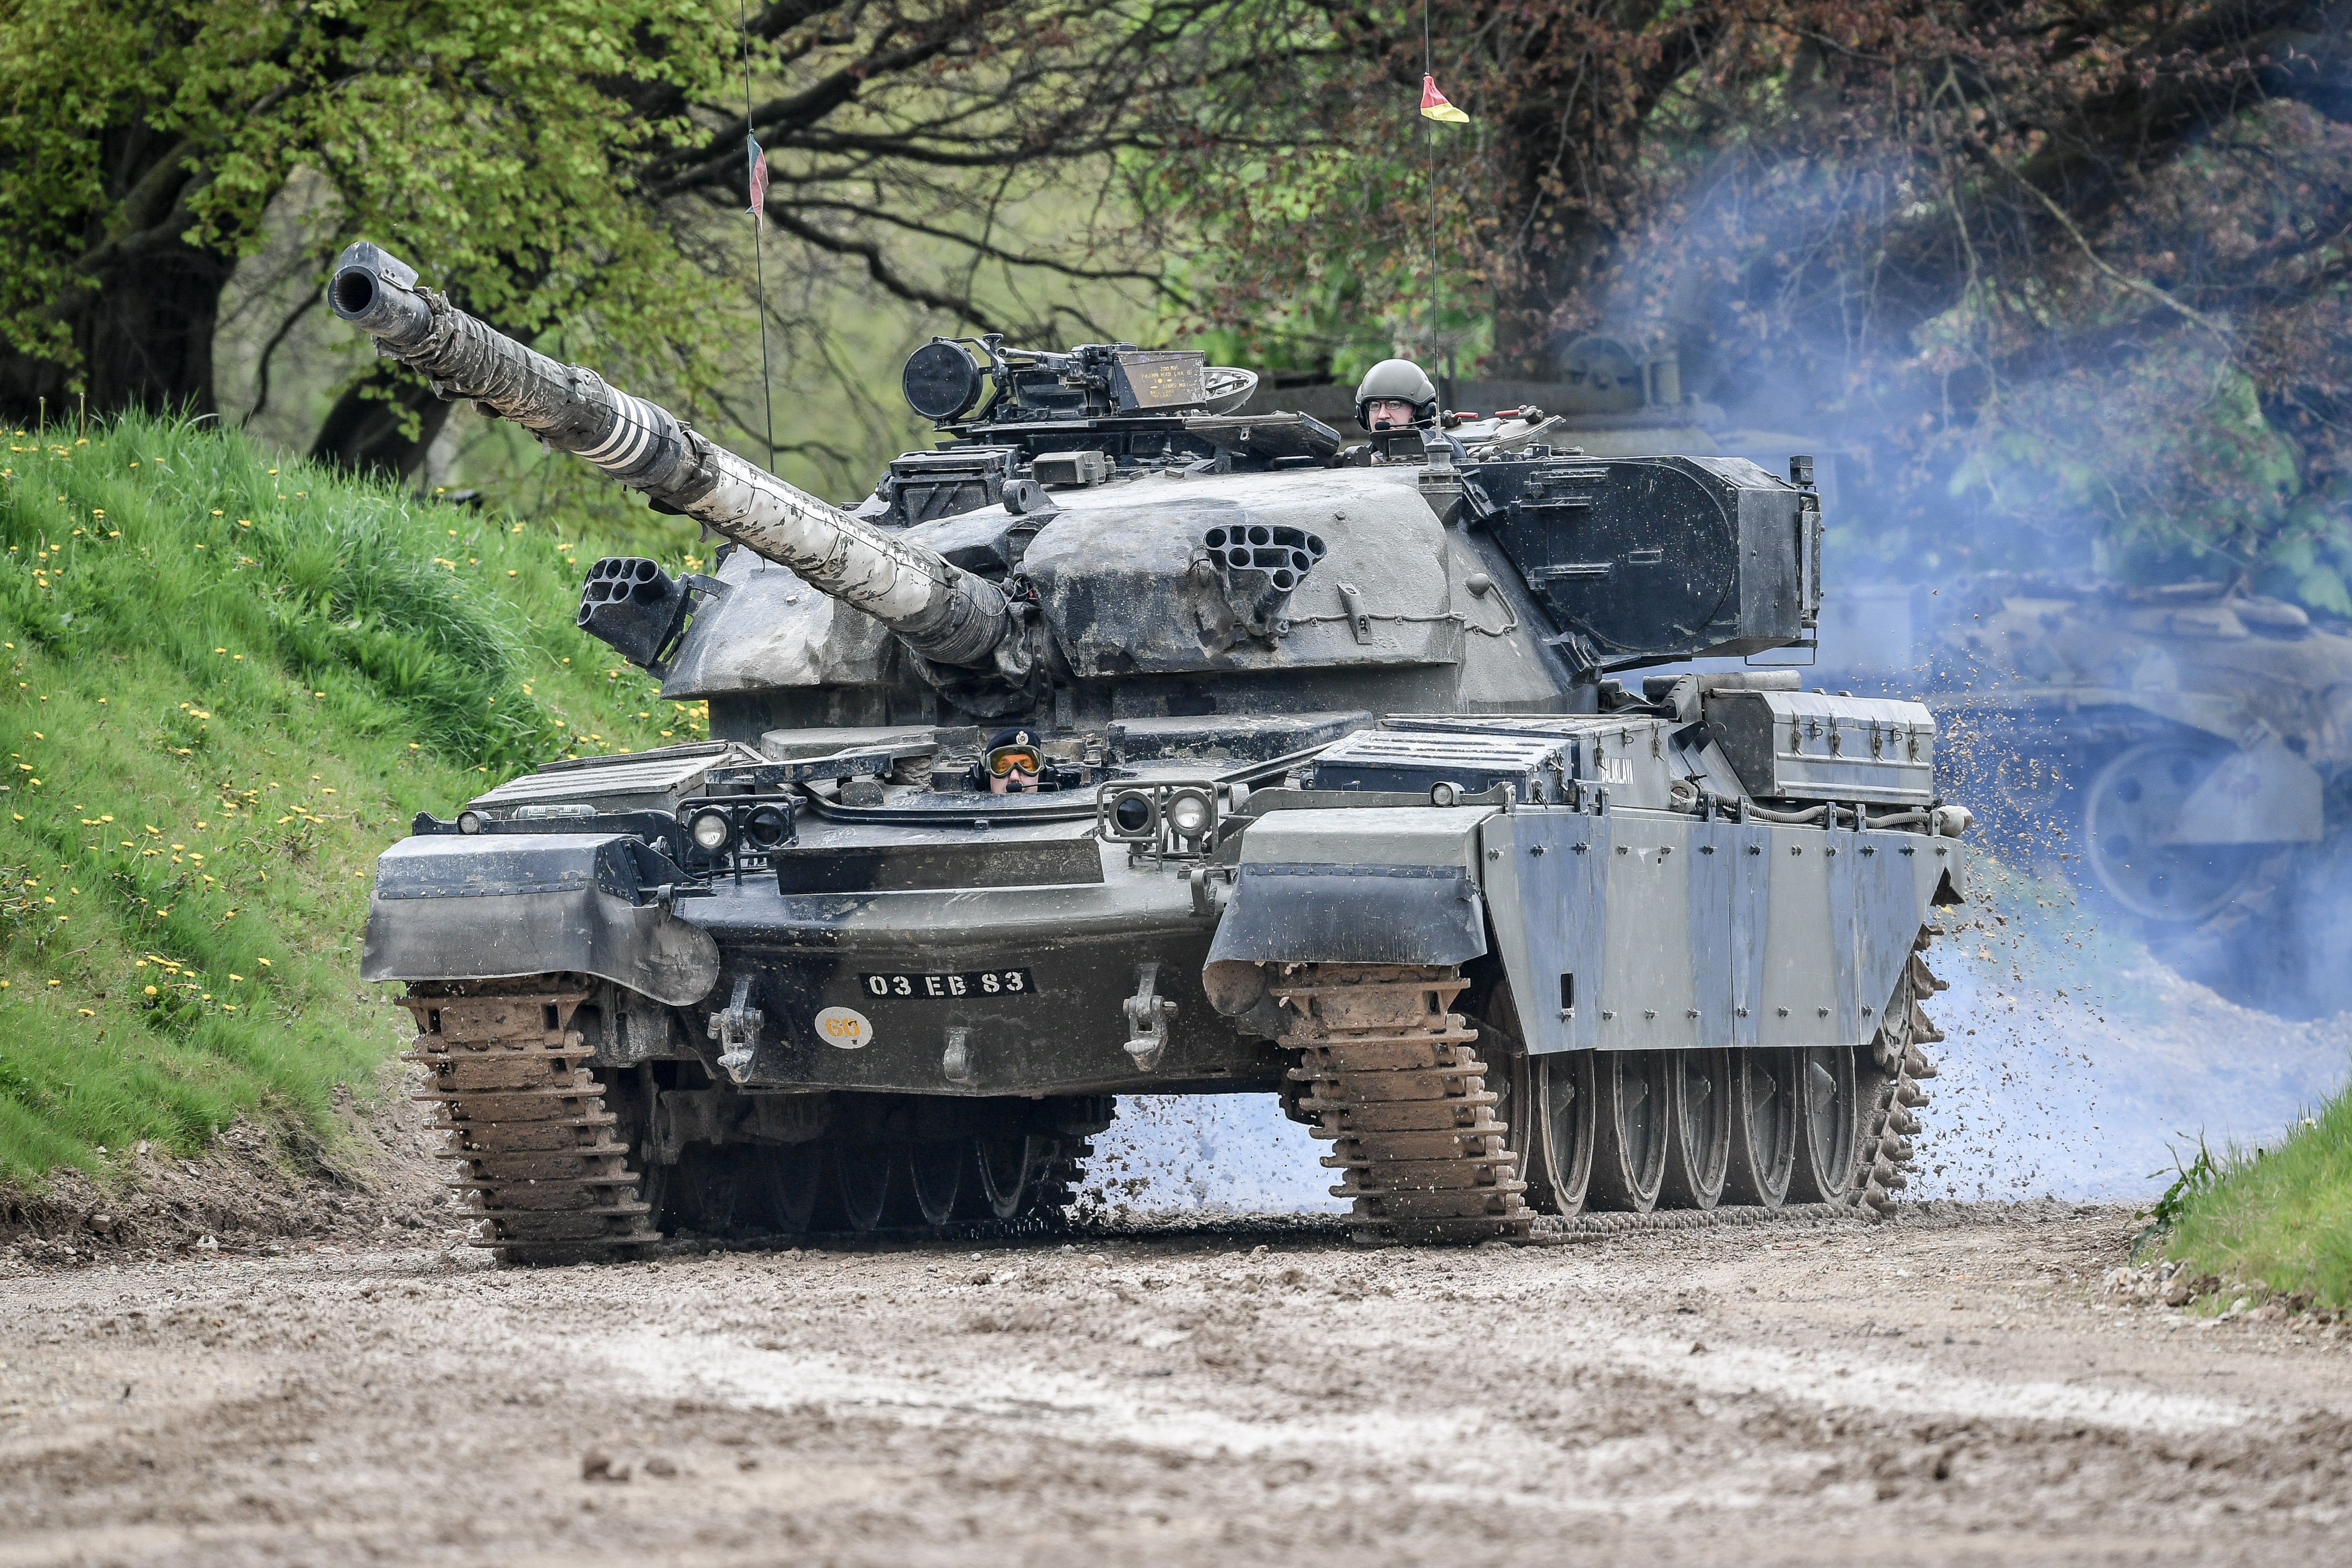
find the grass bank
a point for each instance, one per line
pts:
(231, 682)
(2282, 1216)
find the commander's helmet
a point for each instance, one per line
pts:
(1398, 378)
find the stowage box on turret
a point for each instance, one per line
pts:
(1125, 744)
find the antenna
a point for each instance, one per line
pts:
(759, 194)
(1428, 133)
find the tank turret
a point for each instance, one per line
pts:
(1041, 561)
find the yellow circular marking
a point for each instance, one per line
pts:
(845, 1027)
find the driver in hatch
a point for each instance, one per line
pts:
(1012, 763)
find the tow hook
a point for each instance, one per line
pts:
(1147, 1018)
(955, 1062)
(737, 1030)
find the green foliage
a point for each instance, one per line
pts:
(2282, 1216)
(230, 684)
(1310, 248)
(2189, 1183)
(493, 140)
(2179, 422)
(2039, 332)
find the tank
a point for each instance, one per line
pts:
(1344, 791)
(2180, 755)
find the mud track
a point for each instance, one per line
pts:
(1948, 1388)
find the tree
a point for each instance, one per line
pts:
(567, 168)
(2082, 264)
(144, 143)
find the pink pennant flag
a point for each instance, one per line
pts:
(1434, 107)
(758, 208)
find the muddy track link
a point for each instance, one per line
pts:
(529, 1137)
(1057, 1183)
(1887, 1122)
(1390, 1077)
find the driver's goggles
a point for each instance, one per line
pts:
(1011, 758)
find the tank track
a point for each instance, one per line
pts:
(1390, 1080)
(1057, 1185)
(529, 1135)
(1885, 1149)
(748, 1222)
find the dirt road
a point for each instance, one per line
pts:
(1946, 1389)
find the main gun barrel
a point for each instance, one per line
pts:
(940, 611)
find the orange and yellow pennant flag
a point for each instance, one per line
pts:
(1434, 105)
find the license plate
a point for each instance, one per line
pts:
(951, 986)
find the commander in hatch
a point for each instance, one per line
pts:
(1397, 394)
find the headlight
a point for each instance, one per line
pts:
(1133, 814)
(710, 830)
(1189, 814)
(469, 822)
(765, 827)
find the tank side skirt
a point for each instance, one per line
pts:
(1712, 879)
(1889, 918)
(1787, 931)
(1751, 914)
(1843, 851)
(1562, 905)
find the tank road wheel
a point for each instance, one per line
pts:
(1827, 1124)
(1763, 1128)
(792, 1177)
(1631, 1130)
(1005, 1171)
(1698, 1119)
(1032, 1176)
(704, 1189)
(941, 1171)
(1394, 1083)
(876, 1185)
(530, 1139)
(1559, 1131)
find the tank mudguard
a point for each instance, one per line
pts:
(1351, 914)
(492, 906)
(1358, 886)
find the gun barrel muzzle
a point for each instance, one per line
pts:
(377, 294)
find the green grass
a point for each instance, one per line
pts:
(231, 682)
(2282, 1216)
